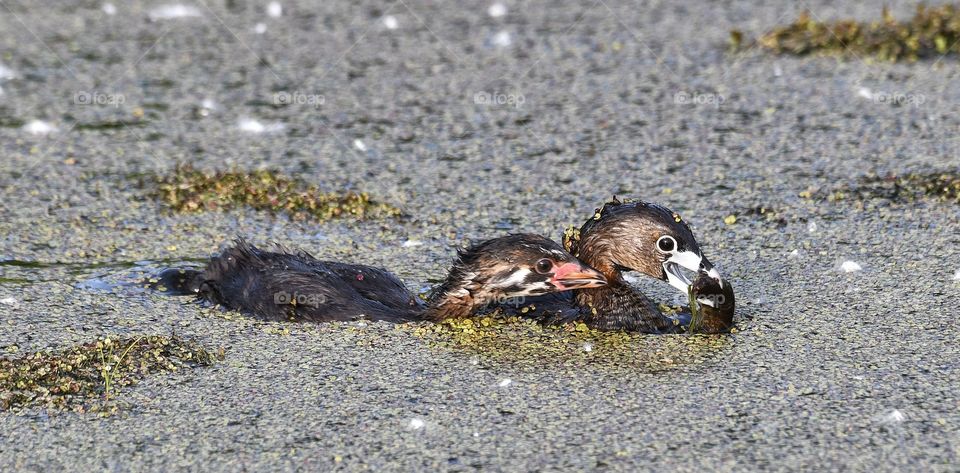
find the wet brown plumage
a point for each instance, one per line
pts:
(632, 236)
(293, 285)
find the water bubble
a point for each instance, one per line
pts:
(260, 28)
(850, 266)
(359, 145)
(274, 10)
(412, 243)
(502, 39)
(497, 10)
(794, 254)
(250, 125)
(416, 424)
(38, 127)
(505, 382)
(893, 417)
(109, 9)
(7, 73)
(812, 227)
(8, 301)
(390, 22)
(956, 275)
(169, 12)
(588, 347)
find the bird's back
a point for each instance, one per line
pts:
(285, 285)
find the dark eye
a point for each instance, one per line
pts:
(544, 266)
(666, 244)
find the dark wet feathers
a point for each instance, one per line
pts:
(286, 285)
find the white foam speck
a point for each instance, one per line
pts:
(476, 434)
(274, 10)
(812, 227)
(359, 145)
(502, 39)
(865, 93)
(777, 71)
(250, 125)
(588, 347)
(38, 127)
(956, 275)
(7, 73)
(390, 22)
(169, 12)
(109, 9)
(893, 417)
(416, 424)
(850, 266)
(794, 254)
(208, 104)
(260, 28)
(8, 301)
(412, 243)
(475, 360)
(505, 382)
(497, 10)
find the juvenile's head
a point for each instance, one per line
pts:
(510, 267)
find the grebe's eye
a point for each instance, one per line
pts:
(666, 244)
(544, 266)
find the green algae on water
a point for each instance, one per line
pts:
(931, 32)
(77, 378)
(525, 343)
(908, 188)
(190, 190)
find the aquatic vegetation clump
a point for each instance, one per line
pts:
(191, 190)
(932, 32)
(944, 187)
(76, 378)
(523, 342)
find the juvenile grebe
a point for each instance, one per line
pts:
(293, 285)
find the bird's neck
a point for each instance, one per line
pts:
(459, 296)
(618, 306)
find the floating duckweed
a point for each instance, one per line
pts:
(73, 378)
(570, 235)
(191, 190)
(762, 214)
(523, 342)
(908, 188)
(931, 32)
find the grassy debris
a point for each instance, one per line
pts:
(944, 187)
(932, 32)
(522, 342)
(190, 190)
(696, 317)
(86, 377)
